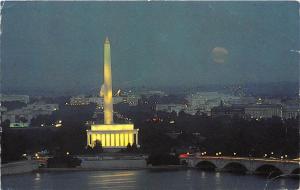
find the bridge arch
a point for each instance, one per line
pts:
(206, 165)
(296, 171)
(235, 167)
(268, 169)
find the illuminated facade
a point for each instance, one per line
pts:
(112, 136)
(109, 134)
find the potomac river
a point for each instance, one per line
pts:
(144, 179)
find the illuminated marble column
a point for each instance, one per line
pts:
(107, 86)
(136, 139)
(88, 140)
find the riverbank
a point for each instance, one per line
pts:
(155, 168)
(88, 164)
(19, 167)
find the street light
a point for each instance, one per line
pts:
(285, 156)
(217, 154)
(234, 153)
(265, 155)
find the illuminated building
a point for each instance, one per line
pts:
(82, 100)
(170, 107)
(259, 111)
(28, 113)
(291, 111)
(12, 98)
(111, 136)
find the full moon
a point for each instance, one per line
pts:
(219, 55)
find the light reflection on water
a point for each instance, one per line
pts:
(117, 180)
(143, 179)
(203, 176)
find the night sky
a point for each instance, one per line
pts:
(59, 45)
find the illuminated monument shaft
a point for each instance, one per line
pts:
(112, 136)
(107, 86)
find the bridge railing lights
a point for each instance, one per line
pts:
(203, 153)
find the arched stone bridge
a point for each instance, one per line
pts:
(248, 165)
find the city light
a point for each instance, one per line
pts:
(58, 125)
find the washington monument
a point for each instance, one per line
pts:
(106, 89)
(112, 136)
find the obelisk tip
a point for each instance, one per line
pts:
(106, 40)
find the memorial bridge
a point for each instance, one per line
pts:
(243, 164)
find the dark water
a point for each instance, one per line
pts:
(144, 179)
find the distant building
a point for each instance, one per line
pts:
(96, 100)
(118, 99)
(82, 100)
(25, 114)
(19, 125)
(79, 100)
(230, 111)
(291, 111)
(170, 107)
(11, 98)
(263, 110)
(132, 100)
(205, 101)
